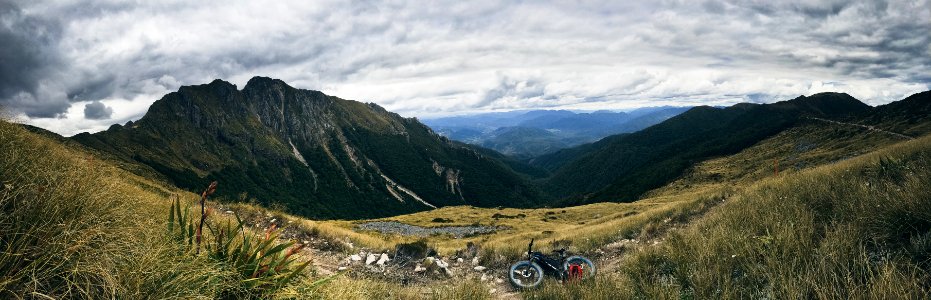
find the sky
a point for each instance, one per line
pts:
(75, 66)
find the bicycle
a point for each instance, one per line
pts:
(529, 273)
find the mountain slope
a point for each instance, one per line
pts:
(910, 116)
(623, 167)
(315, 155)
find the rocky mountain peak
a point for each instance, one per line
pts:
(317, 155)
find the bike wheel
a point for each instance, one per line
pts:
(525, 274)
(587, 267)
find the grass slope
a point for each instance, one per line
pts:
(855, 229)
(73, 226)
(623, 168)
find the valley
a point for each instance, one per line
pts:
(843, 189)
(480, 150)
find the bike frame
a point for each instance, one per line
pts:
(549, 265)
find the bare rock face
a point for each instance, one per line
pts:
(451, 178)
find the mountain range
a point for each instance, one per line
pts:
(320, 156)
(527, 134)
(621, 168)
(313, 154)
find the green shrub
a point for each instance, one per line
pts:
(263, 265)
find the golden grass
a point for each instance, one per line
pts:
(857, 229)
(73, 227)
(793, 150)
(351, 289)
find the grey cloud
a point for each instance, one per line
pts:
(455, 56)
(28, 54)
(97, 111)
(514, 88)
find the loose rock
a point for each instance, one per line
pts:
(382, 260)
(441, 264)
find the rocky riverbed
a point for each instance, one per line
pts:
(412, 230)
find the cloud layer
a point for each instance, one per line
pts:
(82, 65)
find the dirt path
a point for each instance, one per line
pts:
(867, 127)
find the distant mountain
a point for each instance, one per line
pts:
(316, 155)
(533, 133)
(620, 168)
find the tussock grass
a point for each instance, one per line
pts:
(70, 228)
(852, 230)
(351, 289)
(605, 286)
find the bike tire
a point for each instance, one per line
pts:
(580, 260)
(518, 282)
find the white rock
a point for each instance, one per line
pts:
(355, 257)
(273, 221)
(460, 260)
(475, 261)
(441, 264)
(383, 259)
(484, 277)
(370, 259)
(479, 268)
(419, 269)
(341, 269)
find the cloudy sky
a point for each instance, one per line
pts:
(73, 66)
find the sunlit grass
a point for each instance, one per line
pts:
(71, 227)
(857, 229)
